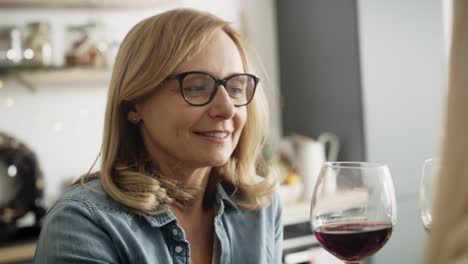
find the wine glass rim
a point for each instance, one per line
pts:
(354, 164)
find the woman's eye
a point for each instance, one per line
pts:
(235, 92)
(195, 88)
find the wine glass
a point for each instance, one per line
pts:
(353, 209)
(426, 191)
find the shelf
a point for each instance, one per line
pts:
(83, 3)
(50, 78)
(301, 241)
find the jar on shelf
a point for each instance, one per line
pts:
(37, 47)
(10, 45)
(85, 49)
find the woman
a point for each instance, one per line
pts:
(448, 238)
(183, 132)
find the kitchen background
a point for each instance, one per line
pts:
(371, 72)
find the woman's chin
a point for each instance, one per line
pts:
(218, 161)
(213, 159)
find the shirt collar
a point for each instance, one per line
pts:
(165, 215)
(226, 198)
(161, 218)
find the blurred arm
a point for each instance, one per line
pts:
(448, 239)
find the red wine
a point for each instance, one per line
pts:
(353, 241)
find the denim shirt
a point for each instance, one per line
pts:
(85, 226)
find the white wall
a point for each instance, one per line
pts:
(63, 125)
(261, 26)
(403, 75)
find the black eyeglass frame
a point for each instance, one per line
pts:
(180, 77)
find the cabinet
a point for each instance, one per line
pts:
(320, 72)
(18, 253)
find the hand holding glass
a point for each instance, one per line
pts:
(353, 209)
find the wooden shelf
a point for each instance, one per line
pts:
(84, 3)
(18, 252)
(85, 77)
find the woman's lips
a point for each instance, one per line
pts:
(214, 136)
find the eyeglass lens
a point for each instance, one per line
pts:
(199, 88)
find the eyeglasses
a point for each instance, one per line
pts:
(199, 88)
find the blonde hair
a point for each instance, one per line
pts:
(448, 241)
(151, 51)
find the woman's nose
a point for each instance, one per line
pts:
(221, 106)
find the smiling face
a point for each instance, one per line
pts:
(178, 134)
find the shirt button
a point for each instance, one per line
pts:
(175, 232)
(179, 249)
